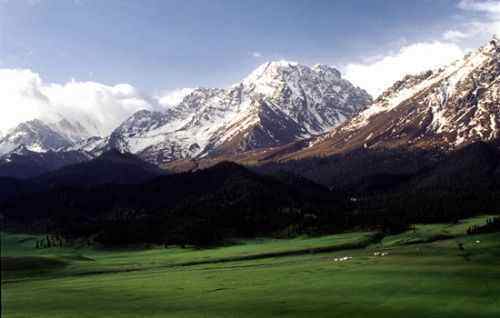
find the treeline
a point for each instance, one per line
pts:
(225, 201)
(199, 208)
(492, 225)
(51, 240)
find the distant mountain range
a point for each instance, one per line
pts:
(309, 154)
(280, 102)
(437, 111)
(444, 109)
(286, 114)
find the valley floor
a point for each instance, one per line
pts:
(423, 274)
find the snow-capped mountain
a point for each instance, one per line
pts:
(72, 131)
(35, 135)
(442, 109)
(41, 136)
(279, 102)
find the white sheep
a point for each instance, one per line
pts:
(342, 259)
(380, 253)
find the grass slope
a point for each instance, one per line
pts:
(433, 232)
(433, 279)
(85, 261)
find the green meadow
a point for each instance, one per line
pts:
(424, 273)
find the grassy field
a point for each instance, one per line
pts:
(425, 274)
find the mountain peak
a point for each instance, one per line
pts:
(280, 64)
(279, 102)
(268, 71)
(35, 135)
(327, 69)
(447, 108)
(20, 150)
(30, 124)
(285, 65)
(494, 43)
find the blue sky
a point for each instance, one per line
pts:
(162, 45)
(105, 59)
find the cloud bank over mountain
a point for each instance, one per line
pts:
(411, 58)
(25, 95)
(380, 74)
(100, 108)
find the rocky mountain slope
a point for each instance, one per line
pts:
(443, 109)
(411, 127)
(40, 136)
(36, 147)
(282, 110)
(35, 135)
(278, 103)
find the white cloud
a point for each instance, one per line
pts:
(489, 6)
(479, 28)
(173, 97)
(377, 76)
(21, 98)
(484, 30)
(454, 35)
(257, 54)
(100, 108)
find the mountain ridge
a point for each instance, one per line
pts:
(434, 112)
(286, 111)
(279, 102)
(444, 108)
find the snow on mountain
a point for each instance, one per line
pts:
(317, 98)
(44, 135)
(72, 131)
(92, 108)
(93, 145)
(173, 98)
(35, 136)
(444, 108)
(277, 103)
